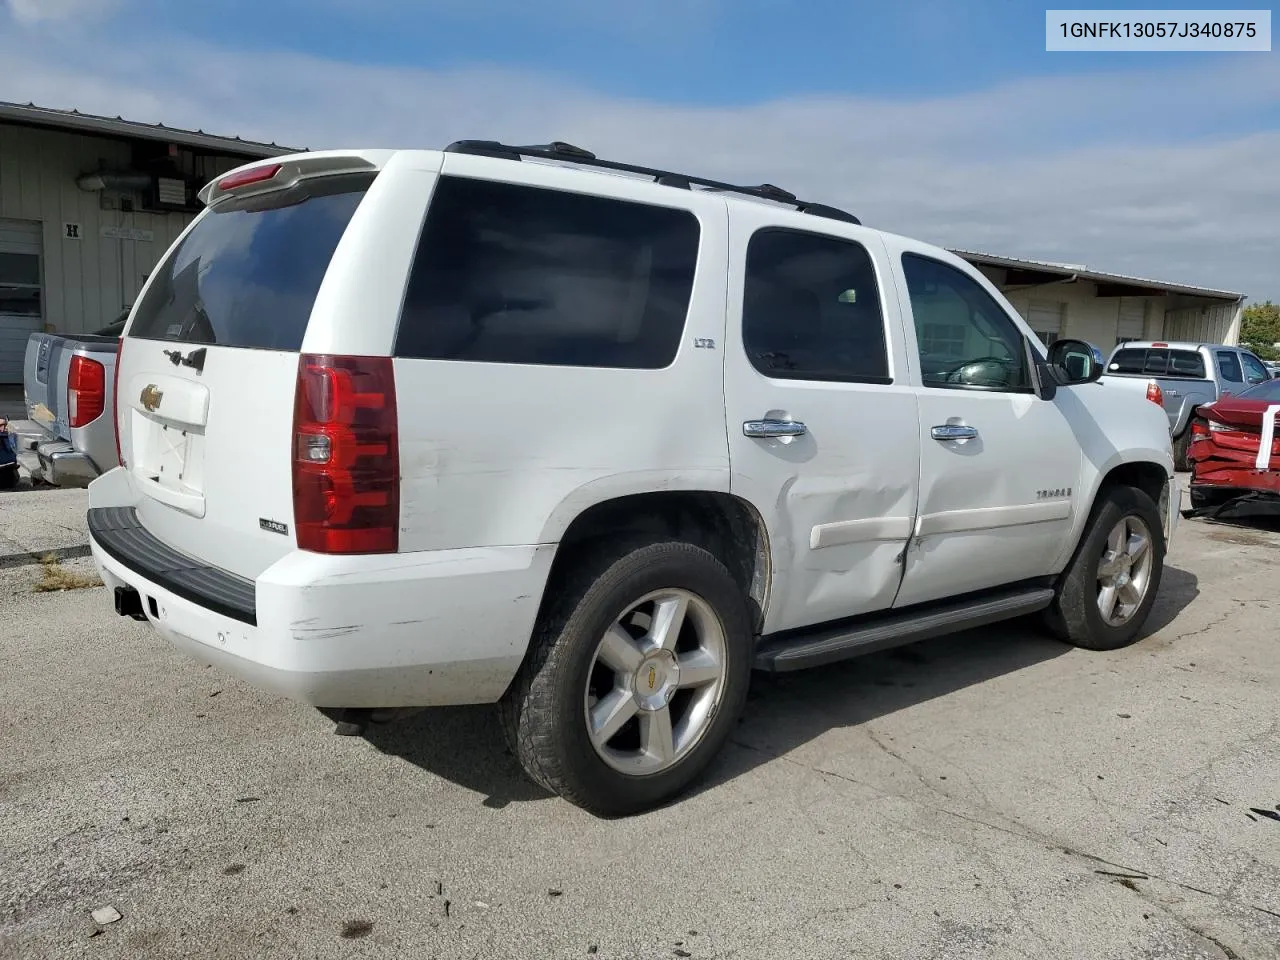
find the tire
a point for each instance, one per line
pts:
(1075, 615)
(568, 673)
(1182, 444)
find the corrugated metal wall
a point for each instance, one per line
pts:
(1209, 324)
(89, 279)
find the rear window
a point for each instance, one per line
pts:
(1158, 362)
(507, 273)
(248, 272)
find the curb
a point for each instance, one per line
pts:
(36, 556)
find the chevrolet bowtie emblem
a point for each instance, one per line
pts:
(150, 397)
(653, 675)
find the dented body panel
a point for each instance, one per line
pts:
(1235, 451)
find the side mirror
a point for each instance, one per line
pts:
(1074, 362)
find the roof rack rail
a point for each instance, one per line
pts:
(568, 153)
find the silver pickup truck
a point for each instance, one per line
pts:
(1184, 375)
(67, 381)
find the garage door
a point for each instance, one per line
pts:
(19, 294)
(1132, 322)
(1045, 319)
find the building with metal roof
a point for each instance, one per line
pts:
(1071, 300)
(88, 204)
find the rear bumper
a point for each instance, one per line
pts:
(64, 466)
(1215, 468)
(60, 462)
(403, 630)
(30, 433)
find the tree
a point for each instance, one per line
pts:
(1260, 329)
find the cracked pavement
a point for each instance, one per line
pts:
(991, 795)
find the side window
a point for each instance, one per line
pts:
(811, 309)
(506, 273)
(966, 340)
(1254, 371)
(1229, 367)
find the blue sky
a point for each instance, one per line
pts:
(701, 51)
(946, 120)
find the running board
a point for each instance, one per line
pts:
(799, 650)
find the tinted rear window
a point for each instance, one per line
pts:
(1186, 363)
(247, 274)
(1155, 362)
(506, 273)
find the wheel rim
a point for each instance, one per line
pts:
(655, 682)
(1124, 572)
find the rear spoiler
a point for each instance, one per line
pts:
(278, 173)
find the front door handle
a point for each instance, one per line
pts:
(953, 431)
(773, 428)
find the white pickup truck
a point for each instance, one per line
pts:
(592, 441)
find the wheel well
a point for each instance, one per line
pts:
(1148, 477)
(724, 525)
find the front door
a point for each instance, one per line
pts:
(822, 423)
(999, 467)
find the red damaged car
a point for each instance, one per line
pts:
(1235, 452)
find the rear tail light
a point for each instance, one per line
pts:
(86, 391)
(115, 397)
(346, 459)
(1155, 394)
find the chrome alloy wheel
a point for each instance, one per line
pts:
(1124, 572)
(655, 682)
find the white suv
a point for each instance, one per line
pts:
(505, 424)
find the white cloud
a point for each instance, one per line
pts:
(37, 11)
(1105, 170)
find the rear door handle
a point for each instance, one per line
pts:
(773, 428)
(953, 431)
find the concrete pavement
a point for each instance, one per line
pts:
(34, 523)
(992, 795)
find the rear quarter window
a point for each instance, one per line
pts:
(247, 273)
(506, 273)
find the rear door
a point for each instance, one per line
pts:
(822, 419)
(209, 365)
